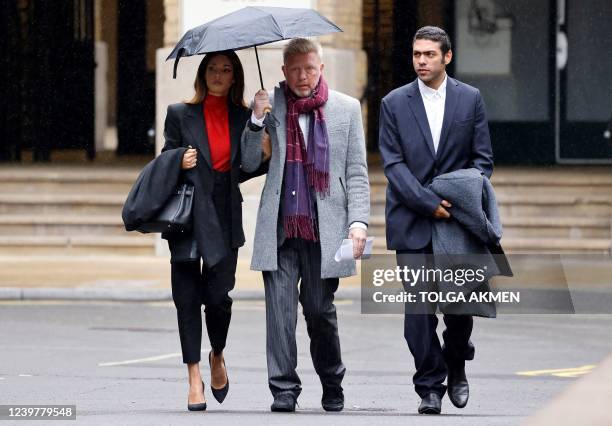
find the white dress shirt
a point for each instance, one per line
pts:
(304, 121)
(434, 108)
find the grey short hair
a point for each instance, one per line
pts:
(302, 45)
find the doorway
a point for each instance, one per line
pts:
(47, 78)
(139, 34)
(584, 79)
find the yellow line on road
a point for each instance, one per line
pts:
(559, 372)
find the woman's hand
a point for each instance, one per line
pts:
(190, 159)
(266, 146)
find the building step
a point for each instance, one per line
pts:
(533, 182)
(43, 180)
(66, 188)
(530, 190)
(533, 176)
(509, 209)
(527, 198)
(72, 174)
(538, 245)
(137, 244)
(525, 205)
(63, 225)
(535, 227)
(556, 227)
(557, 245)
(65, 203)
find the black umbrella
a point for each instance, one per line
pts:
(251, 27)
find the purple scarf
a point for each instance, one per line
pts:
(305, 167)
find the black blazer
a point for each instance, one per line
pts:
(185, 126)
(410, 162)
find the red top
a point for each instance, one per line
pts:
(218, 131)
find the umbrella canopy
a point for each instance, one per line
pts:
(251, 27)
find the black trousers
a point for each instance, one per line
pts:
(194, 285)
(431, 359)
(300, 261)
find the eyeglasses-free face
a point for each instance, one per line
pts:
(219, 75)
(302, 72)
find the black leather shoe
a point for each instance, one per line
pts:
(283, 403)
(333, 399)
(458, 388)
(219, 394)
(431, 404)
(201, 406)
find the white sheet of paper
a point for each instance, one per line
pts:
(345, 252)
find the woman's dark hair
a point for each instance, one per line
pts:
(236, 92)
(434, 34)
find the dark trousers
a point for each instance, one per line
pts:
(300, 261)
(194, 285)
(431, 359)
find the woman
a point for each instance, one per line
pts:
(209, 126)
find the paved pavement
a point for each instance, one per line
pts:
(119, 278)
(120, 364)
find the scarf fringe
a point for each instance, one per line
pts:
(300, 227)
(318, 179)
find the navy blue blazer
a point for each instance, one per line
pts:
(410, 162)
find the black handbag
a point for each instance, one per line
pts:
(176, 215)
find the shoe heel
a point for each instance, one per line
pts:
(201, 406)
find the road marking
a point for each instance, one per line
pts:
(559, 372)
(25, 375)
(136, 361)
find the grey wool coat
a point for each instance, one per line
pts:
(471, 237)
(475, 226)
(349, 198)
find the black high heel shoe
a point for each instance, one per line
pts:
(219, 394)
(200, 406)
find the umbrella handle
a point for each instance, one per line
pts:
(270, 119)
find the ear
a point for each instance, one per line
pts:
(322, 66)
(448, 57)
(284, 72)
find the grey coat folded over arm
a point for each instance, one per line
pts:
(472, 234)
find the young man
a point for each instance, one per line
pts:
(429, 127)
(316, 194)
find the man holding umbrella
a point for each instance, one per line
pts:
(316, 194)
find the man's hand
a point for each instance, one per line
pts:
(261, 103)
(190, 159)
(266, 146)
(441, 212)
(359, 236)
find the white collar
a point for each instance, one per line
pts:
(429, 92)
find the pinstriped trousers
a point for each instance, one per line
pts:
(299, 261)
